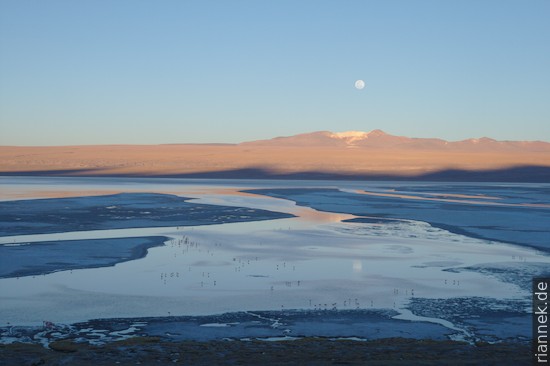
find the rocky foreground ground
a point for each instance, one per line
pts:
(305, 351)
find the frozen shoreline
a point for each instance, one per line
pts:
(360, 325)
(117, 211)
(41, 258)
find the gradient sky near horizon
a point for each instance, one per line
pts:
(148, 72)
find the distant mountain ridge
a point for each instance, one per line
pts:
(380, 139)
(318, 155)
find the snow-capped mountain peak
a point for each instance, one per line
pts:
(350, 137)
(350, 134)
(380, 139)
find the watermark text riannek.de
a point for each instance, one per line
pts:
(540, 320)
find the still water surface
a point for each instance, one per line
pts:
(312, 261)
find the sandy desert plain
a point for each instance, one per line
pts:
(102, 246)
(317, 155)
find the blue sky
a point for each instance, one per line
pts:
(148, 72)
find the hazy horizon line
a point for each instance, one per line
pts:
(262, 139)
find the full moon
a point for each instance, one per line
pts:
(359, 84)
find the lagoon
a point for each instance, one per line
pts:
(321, 246)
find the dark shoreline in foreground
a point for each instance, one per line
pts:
(257, 338)
(306, 351)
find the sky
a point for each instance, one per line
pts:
(176, 71)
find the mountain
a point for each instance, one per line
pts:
(338, 139)
(381, 139)
(316, 155)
